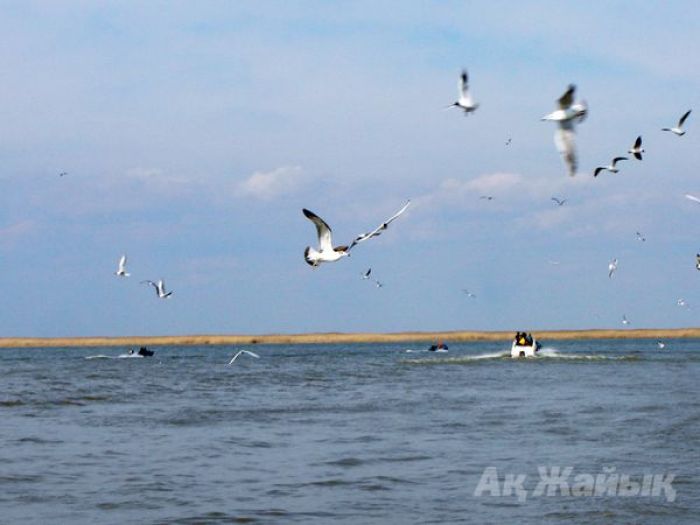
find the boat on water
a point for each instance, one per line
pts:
(524, 345)
(440, 347)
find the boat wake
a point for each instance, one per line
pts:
(545, 354)
(120, 356)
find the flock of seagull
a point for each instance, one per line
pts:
(568, 114)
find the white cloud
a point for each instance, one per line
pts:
(272, 184)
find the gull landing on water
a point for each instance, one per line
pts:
(678, 130)
(160, 288)
(612, 267)
(465, 101)
(636, 148)
(612, 167)
(568, 114)
(121, 269)
(252, 354)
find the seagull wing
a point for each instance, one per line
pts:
(618, 159)
(638, 142)
(682, 120)
(122, 263)
(322, 230)
(567, 98)
(252, 354)
(565, 141)
(379, 229)
(235, 357)
(692, 197)
(464, 83)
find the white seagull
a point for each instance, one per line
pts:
(160, 288)
(612, 167)
(660, 344)
(612, 267)
(365, 275)
(121, 269)
(682, 303)
(326, 252)
(624, 320)
(465, 101)
(641, 237)
(379, 229)
(560, 202)
(678, 130)
(378, 284)
(252, 354)
(566, 116)
(468, 293)
(692, 198)
(636, 148)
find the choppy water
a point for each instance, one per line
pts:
(343, 433)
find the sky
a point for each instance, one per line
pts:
(193, 134)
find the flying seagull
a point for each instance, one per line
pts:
(63, 174)
(697, 261)
(692, 198)
(660, 344)
(486, 197)
(641, 237)
(365, 275)
(121, 269)
(509, 141)
(612, 168)
(468, 293)
(560, 202)
(160, 288)
(566, 116)
(378, 284)
(636, 148)
(326, 252)
(624, 320)
(682, 303)
(612, 267)
(379, 229)
(678, 130)
(465, 101)
(252, 354)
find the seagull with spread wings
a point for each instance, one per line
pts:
(326, 251)
(568, 114)
(559, 202)
(612, 167)
(252, 354)
(636, 148)
(379, 229)
(160, 288)
(465, 102)
(678, 129)
(121, 268)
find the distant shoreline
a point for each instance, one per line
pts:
(338, 337)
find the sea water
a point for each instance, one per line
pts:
(370, 433)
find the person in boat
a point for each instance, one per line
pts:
(528, 339)
(145, 352)
(522, 339)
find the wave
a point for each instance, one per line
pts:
(544, 354)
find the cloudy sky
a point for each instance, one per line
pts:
(193, 134)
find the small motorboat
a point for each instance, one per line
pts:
(440, 347)
(524, 345)
(145, 352)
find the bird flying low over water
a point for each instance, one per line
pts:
(252, 354)
(678, 130)
(612, 267)
(637, 149)
(465, 102)
(568, 114)
(379, 229)
(121, 268)
(159, 287)
(660, 344)
(612, 168)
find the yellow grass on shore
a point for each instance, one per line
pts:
(337, 337)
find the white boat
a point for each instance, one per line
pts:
(531, 350)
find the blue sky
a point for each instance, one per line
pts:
(194, 133)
